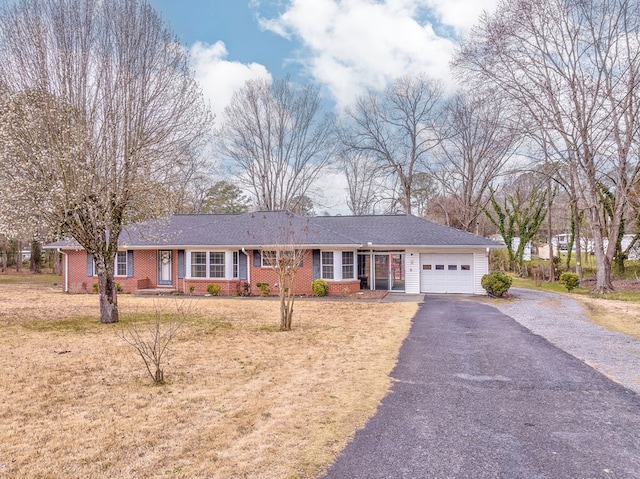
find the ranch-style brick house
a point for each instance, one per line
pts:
(396, 253)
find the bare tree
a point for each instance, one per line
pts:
(102, 116)
(397, 129)
(275, 140)
(285, 256)
(151, 340)
(424, 190)
(479, 137)
(363, 181)
(519, 213)
(573, 67)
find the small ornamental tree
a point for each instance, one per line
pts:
(496, 283)
(285, 256)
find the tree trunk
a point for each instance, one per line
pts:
(552, 268)
(108, 297)
(36, 257)
(603, 263)
(57, 266)
(18, 256)
(4, 257)
(286, 307)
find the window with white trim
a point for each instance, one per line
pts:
(216, 264)
(272, 258)
(120, 267)
(268, 258)
(198, 264)
(121, 263)
(326, 258)
(236, 262)
(207, 264)
(348, 265)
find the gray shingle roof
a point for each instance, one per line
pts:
(277, 227)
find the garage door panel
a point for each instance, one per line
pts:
(446, 273)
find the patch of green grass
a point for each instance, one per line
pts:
(558, 288)
(31, 279)
(543, 286)
(620, 296)
(80, 324)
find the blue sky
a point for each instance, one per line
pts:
(234, 22)
(344, 46)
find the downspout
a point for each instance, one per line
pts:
(244, 251)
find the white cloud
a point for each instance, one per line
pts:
(221, 78)
(461, 14)
(353, 45)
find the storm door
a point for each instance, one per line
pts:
(165, 271)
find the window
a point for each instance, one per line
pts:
(426, 267)
(347, 264)
(236, 261)
(198, 264)
(327, 264)
(453, 267)
(285, 257)
(216, 265)
(121, 263)
(269, 258)
(465, 267)
(440, 267)
(208, 264)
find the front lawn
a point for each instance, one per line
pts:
(241, 399)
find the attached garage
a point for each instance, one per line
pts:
(446, 273)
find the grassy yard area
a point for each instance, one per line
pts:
(618, 311)
(242, 399)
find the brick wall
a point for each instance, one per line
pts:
(146, 277)
(304, 278)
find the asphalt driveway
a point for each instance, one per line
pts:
(477, 395)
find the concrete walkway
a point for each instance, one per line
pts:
(477, 395)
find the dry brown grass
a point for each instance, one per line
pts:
(620, 316)
(242, 400)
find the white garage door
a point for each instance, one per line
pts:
(446, 273)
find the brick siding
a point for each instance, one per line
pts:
(146, 277)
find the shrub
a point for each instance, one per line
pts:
(243, 289)
(320, 287)
(569, 280)
(496, 283)
(213, 289)
(96, 287)
(264, 289)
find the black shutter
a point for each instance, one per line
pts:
(242, 265)
(257, 261)
(181, 264)
(316, 264)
